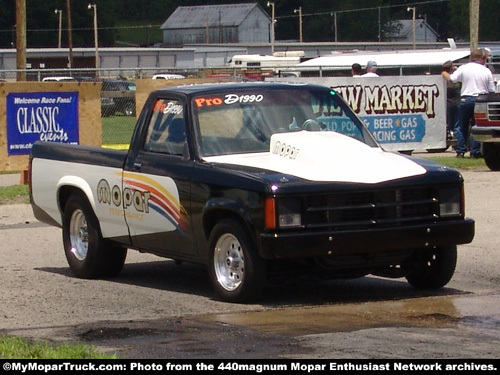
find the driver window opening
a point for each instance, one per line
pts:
(166, 130)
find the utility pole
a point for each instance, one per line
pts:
(59, 11)
(379, 27)
(474, 24)
(335, 25)
(271, 4)
(21, 39)
(413, 24)
(70, 38)
(96, 39)
(300, 22)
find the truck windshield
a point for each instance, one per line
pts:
(244, 120)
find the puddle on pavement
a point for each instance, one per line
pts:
(435, 312)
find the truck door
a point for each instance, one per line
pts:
(156, 184)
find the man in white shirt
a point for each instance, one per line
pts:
(476, 79)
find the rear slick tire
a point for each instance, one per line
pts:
(89, 256)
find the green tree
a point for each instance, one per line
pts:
(459, 20)
(7, 25)
(489, 28)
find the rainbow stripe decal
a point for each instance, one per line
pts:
(161, 199)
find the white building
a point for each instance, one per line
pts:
(404, 32)
(226, 23)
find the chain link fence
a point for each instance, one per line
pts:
(118, 90)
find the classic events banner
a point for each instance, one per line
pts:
(41, 116)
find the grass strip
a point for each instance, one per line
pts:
(19, 348)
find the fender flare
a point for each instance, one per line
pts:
(216, 208)
(76, 183)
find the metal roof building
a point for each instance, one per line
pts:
(423, 32)
(226, 23)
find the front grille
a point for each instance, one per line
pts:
(493, 111)
(371, 208)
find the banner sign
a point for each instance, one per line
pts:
(404, 113)
(41, 116)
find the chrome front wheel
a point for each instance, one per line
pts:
(236, 270)
(229, 262)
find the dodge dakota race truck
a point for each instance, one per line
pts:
(487, 128)
(259, 181)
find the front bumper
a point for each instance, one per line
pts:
(486, 134)
(301, 244)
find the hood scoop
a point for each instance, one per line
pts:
(326, 156)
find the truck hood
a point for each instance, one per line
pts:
(325, 156)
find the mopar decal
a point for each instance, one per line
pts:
(285, 150)
(126, 198)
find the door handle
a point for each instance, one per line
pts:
(137, 166)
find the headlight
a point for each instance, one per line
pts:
(450, 202)
(289, 212)
(480, 107)
(480, 110)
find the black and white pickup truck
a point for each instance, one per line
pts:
(260, 182)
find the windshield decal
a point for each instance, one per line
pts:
(170, 107)
(228, 99)
(234, 98)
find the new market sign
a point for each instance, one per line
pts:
(403, 113)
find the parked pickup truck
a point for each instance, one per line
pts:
(259, 181)
(487, 128)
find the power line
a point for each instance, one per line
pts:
(364, 9)
(87, 28)
(280, 17)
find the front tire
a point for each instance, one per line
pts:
(89, 256)
(491, 154)
(236, 271)
(436, 268)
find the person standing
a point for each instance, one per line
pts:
(356, 70)
(452, 102)
(476, 79)
(371, 69)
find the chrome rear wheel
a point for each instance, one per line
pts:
(79, 235)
